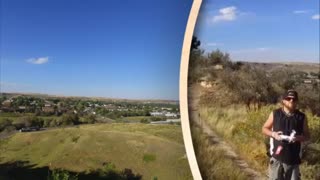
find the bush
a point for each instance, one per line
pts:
(90, 119)
(59, 174)
(27, 121)
(69, 119)
(9, 129)
(4, 124)
(75, 139)
(144, 120)
(109, 171)
(154, 118)
(149, 157)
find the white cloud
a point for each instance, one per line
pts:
(40, 60)
(316, 16)
(226, 14)
(213, 44)
(252, 50)
(263, 49)
(300, 11)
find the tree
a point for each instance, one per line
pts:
(5, 123)
(195, 43)
(90, 119)
(69, 119)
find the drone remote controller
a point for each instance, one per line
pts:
(288, 138)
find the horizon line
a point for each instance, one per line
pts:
(93, 97)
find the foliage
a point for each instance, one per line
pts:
(144, 120)
(4, 123)
(60, 174)
(69, 119)
(89, 119)
(195, 43)
(149, 157)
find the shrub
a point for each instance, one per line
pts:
(144, 120)
(59, 174)
(90, 119)
(149, 157)
(5, 123)
(75, 139)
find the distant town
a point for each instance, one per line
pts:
(27, 112)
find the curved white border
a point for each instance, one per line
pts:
(184, 89)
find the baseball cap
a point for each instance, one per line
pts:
(291, 94)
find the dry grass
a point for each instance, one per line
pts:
(211, 160)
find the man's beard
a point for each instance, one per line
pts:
(290, 107)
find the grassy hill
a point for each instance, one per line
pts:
(150, 150)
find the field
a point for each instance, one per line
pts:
(154, 151)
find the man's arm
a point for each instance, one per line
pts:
(266, 128)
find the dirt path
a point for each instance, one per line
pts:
(194, 97)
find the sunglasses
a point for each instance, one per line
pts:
(289, 99)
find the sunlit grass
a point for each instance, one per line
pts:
(150, 150)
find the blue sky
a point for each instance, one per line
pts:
(120, 49)
(261, 31)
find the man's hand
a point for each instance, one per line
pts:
(276, 135)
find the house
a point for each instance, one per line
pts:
(48, 109)
(110, 107)
(33, 103)
(171, 115)
(307, 81)
(47, 105)
(164, 108)
(173, 120)
(21, 109)
(6, 106)
(157, 113)
(88, 109)
(7, 103)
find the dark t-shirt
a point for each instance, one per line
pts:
(290, 153)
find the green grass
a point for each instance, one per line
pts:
(14, 116)
(135, 118)
(149, 157)
(87, 147)
(242, 130)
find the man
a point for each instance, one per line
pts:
(286, 154)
